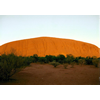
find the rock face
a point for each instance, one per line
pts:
(50, 46)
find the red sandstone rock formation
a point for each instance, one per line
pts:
(50, 46)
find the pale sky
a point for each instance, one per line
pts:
(78, 27)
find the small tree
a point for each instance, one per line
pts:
(89, 60)
(95, 62)
(81, 61)
(54, 63)
(69, 58)
(61, 58)
(42, 60)
(35, 58)
(73, 63)
(9, 65)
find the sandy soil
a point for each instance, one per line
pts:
(45, 74)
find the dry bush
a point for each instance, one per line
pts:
(95, 62)
(73, 63)
(81, 61)
(65, 65)
(54, 63)
(10, 64)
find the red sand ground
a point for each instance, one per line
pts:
(50, 46)
(45, 74)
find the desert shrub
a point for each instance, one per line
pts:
(54, 58)
(72, 63)
(70, 58)
(81, 61)
(65, 61)
(60, 58)
(80, 57)
(42, 60)
(54, 63)
(35, 58)
(26, 60)
(61, 61)
(65, 65)
(94, 57)
(50, 58)
(31, 58)
(89, 60)
(9, 65)
(95, 62)
(99, 58)
(76, 59)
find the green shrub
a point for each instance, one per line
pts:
(76, 59)
(54, 63)
(50, 58)
(43, 60)
(35, 58)
(89, 60)
(81, 61)
(27, 61)
(95, 62)
(70, 58)
(73, 63)
(60, 58)
(9, 65)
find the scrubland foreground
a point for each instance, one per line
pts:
(49, 70)
(45, 74)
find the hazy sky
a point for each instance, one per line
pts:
(78, 27)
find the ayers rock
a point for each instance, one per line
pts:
(50, 46)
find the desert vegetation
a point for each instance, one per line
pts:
(54, 63)
(73, 63)
(65, 65)
(95, 62)
(11, 63)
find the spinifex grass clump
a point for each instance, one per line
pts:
(54, 63)
(10, 64)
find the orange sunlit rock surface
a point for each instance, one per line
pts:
(50, 46)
